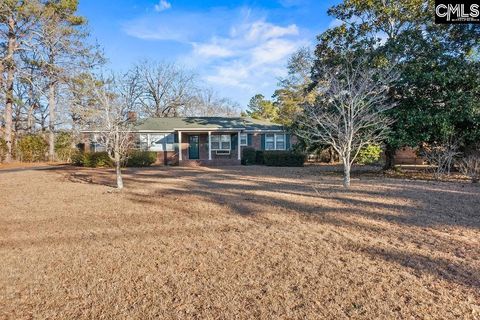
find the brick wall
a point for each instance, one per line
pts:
(407, 155)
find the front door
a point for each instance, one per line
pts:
(193, 151)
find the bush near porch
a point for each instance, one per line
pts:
(284, 158)
(248, 156)
(101, 159)
(272, 158)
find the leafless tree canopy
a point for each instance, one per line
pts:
(168, 90)
(441, 155)
(207, 103)
(349, 111)
(164, 89)
(470, 166)
(108, 117)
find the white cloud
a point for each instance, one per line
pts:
(261, 31)
(211, 50)
(273, 51)
(238, 51)
(162, 6)
(253, 54)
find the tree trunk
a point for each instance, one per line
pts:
(118, 172)
(331, 153)
(31, 110)
(51, 124)
(30, 120)
(118, 169)
(389, 157)
(9, 88)
(346, 172)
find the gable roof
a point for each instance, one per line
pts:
(205, 123)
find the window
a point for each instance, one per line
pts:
(143, 142)
(275, 142)
(225, 142)
(243, 139)
(221, 142)
(215, 142)
(159, 142)
(170, 142)
(269, 142)
(279, 142)
(98, 143)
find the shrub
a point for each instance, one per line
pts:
(3, 149)
(63, 146)
(259, 157)
(78, 158)
(470, 166)
(99, 159)
(248, 156)
(369, 154)
(284, 158)
(32, 148)
(92, 159)
(141, 158)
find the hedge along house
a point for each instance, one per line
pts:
(212, 141)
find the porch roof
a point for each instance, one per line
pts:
(206, 123)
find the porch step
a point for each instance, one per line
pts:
(209, 163)
(190, 163)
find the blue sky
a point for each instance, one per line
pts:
(239, 48)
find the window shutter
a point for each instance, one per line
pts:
(287, 141)
(262, 145)
(234, 141)
(249, 139)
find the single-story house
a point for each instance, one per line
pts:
(204, 140)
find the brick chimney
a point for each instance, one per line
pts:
(132, 116)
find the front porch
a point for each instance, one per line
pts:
(209, 148)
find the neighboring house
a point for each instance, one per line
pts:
(204, 140)
(408, 155)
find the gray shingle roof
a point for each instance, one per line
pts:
(171, 124)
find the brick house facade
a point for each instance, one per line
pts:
(215, 141)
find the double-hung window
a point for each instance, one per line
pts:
(170, 142)
(279, 142)
(221, 142)
(270, 142)
(159, 142)
(243, 139)
(275, 141)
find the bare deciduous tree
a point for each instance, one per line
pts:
(165, 89)
(470, 166)
(109, 117)
(441, 156)
(349, 112)
(207, 103)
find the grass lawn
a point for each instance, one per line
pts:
(236, 243)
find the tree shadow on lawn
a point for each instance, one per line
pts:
(415, 203)
(442, 268)
(406, 215)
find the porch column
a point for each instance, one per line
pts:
(239, 147)
(180, 145)
(209, 145)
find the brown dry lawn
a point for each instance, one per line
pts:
(236, 243)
